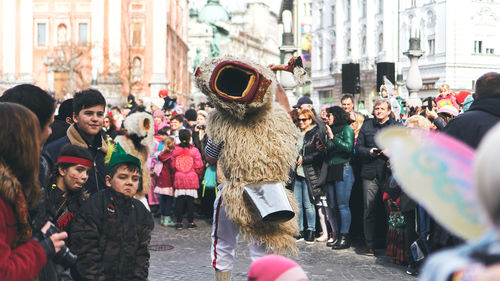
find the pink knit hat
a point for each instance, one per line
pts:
(158, 113)
(275, 268)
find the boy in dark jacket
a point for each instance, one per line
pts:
(113, 230)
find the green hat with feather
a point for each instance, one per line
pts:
(120, 156)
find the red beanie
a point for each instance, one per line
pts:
(461, 96)
(276, 268)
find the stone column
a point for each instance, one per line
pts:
(8, 20)
(26, 48)
(97, 39)
(158, 77)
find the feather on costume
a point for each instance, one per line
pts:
(258, 138)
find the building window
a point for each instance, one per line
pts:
(413, 3)
(348, 9)
(332, 23)
(363, 9)
(478, 47)
(432, 46)
(490, 51)
(137, 34)
(363, 45)
(348, 48)
(428, 85)
(83, 35)
(380, 42)
(41, 38)
(380, 6)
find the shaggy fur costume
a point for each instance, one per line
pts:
(259, 146)
(138, 141)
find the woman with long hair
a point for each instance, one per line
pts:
(21, 256)
(307, 188)
(340, 148)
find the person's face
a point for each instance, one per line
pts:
(47, 131)
(74, 177)
(90, 120)
(175, 124)
(107, 122)
(200, 120)
(124, 181)
(381, 111)
(304, 122)
(158, 120)
(347, 105)
(304, 107)
(331, 119)
(168, 115)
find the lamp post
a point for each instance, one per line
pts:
(414, 80)
(287, 50)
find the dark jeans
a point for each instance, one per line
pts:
(374, 218)
(207, 203)
(301, 192)
(165, 204)
(184, 202)
(410, 234)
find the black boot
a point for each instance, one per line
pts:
(334, 242)
(344, 242)
(309, 237)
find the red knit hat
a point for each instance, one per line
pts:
(276, 268)
(461, 96)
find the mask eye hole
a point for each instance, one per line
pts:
(233, 81)
(146, 124)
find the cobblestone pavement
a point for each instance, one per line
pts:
(189, 259)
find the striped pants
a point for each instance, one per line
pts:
(225, 239)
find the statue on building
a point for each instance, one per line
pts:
(137, 70)
(218, 34)
(197, 59)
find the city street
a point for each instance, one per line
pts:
(189, 259)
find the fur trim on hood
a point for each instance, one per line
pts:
(9, 184)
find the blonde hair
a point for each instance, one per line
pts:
(358, 120)
(419, 122)
(309, 114)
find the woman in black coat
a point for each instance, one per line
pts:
(307, 182)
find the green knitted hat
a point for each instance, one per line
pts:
(120, 156)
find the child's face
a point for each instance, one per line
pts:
(74, 177)
(158, 120)
(124, 181)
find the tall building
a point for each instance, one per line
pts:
(458, 38)
(117, 46)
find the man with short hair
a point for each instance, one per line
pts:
(347, 102)
(304, 103)
(43, 106)
(484, 113)
(373, 168)
(86, 132)
(62, 120)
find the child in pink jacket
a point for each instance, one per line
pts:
(187, 167)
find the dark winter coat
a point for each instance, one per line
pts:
(372, 167)
(312, 160)
(98, 150)
(59, 128)
(111, 236)
(472, 125)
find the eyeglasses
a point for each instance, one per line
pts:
(168, 115)
(302, 119)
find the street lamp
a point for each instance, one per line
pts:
(414, 80)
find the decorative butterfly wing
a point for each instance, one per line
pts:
(437, 171)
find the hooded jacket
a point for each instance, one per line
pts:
(98, 150)
(471, 126)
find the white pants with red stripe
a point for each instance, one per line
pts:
(225, 239)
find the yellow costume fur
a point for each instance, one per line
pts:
(259, 146)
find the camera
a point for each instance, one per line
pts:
(202, 127)
(377, 150)
(64, 257)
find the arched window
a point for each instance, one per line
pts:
(62, 34)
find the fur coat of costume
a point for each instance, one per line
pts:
(138, 141)
(259, 146)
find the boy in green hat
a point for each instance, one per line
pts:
(113, 230)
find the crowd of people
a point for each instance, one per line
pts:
(67, 180)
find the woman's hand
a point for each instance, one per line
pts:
(329, 132)
(57, 238)
(299, 161)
